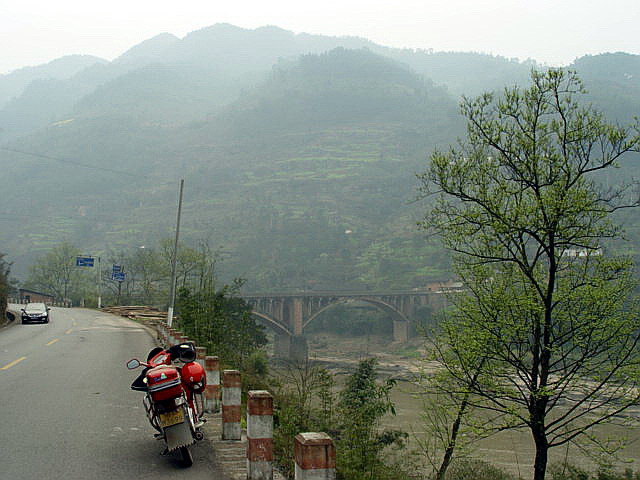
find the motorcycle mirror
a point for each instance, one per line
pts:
(133, 363)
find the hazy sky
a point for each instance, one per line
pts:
(553, 32)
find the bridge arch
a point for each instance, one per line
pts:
(271, 323)
(400, 320)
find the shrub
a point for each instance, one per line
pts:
(477, 470)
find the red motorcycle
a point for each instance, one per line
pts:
(174, 401)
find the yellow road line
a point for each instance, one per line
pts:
(53, 341)
(9, 365)
(68, 331)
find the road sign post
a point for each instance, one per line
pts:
(84, 261)
(88, 261)
(118, 275)
(99, 281)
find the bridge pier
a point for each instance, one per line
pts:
(291, 347)
(282, 345)
(400, 331)
(299, 351)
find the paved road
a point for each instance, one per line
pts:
(67, 411)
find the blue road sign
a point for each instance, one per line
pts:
(117, 269)
(84, 261)
(118, 276)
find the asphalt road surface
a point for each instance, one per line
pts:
(66, 407)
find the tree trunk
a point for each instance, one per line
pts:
(542, 449)
(448, 453)
(455, 429)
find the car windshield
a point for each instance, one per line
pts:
(35, 308)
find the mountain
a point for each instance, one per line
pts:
(466, 73)
(613, 83)
(326, 144)
(240, 50)
(149, 51)
(14, 83)
(220, 60)
(215, 61)
(299, 151)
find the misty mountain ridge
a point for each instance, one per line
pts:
(13, 84)
(220, 61)
(339, 87)
(346, 129)
(148, 51)
(285, 142)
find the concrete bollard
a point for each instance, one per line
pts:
(162, 331)
(231, 402)
(315, 457)
(212, 392)
(201, 353)
(259, 435)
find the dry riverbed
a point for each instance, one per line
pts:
(511, 450)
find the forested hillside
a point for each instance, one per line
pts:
(299, 158)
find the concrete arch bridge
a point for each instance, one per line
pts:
(289, 314)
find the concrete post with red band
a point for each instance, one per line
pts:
(315, 457)
(160, 332)
(231, 402)
(259, 435)
(201, 353)
(164, 333)
(212, 391)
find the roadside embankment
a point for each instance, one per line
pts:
(13, 312)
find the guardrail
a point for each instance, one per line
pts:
(65, 304)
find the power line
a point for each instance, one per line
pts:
(72, 162)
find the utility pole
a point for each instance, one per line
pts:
(99, 282)
(174, 260)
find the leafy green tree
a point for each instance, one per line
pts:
(362, 404)
(56, 273)
(194, 266)
(304, 400)
(221, 321)
(148, 271)
(519, 206)
(149, 276)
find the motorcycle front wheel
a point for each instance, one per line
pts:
(187, 459)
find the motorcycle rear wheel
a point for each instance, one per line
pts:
(187, 458)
